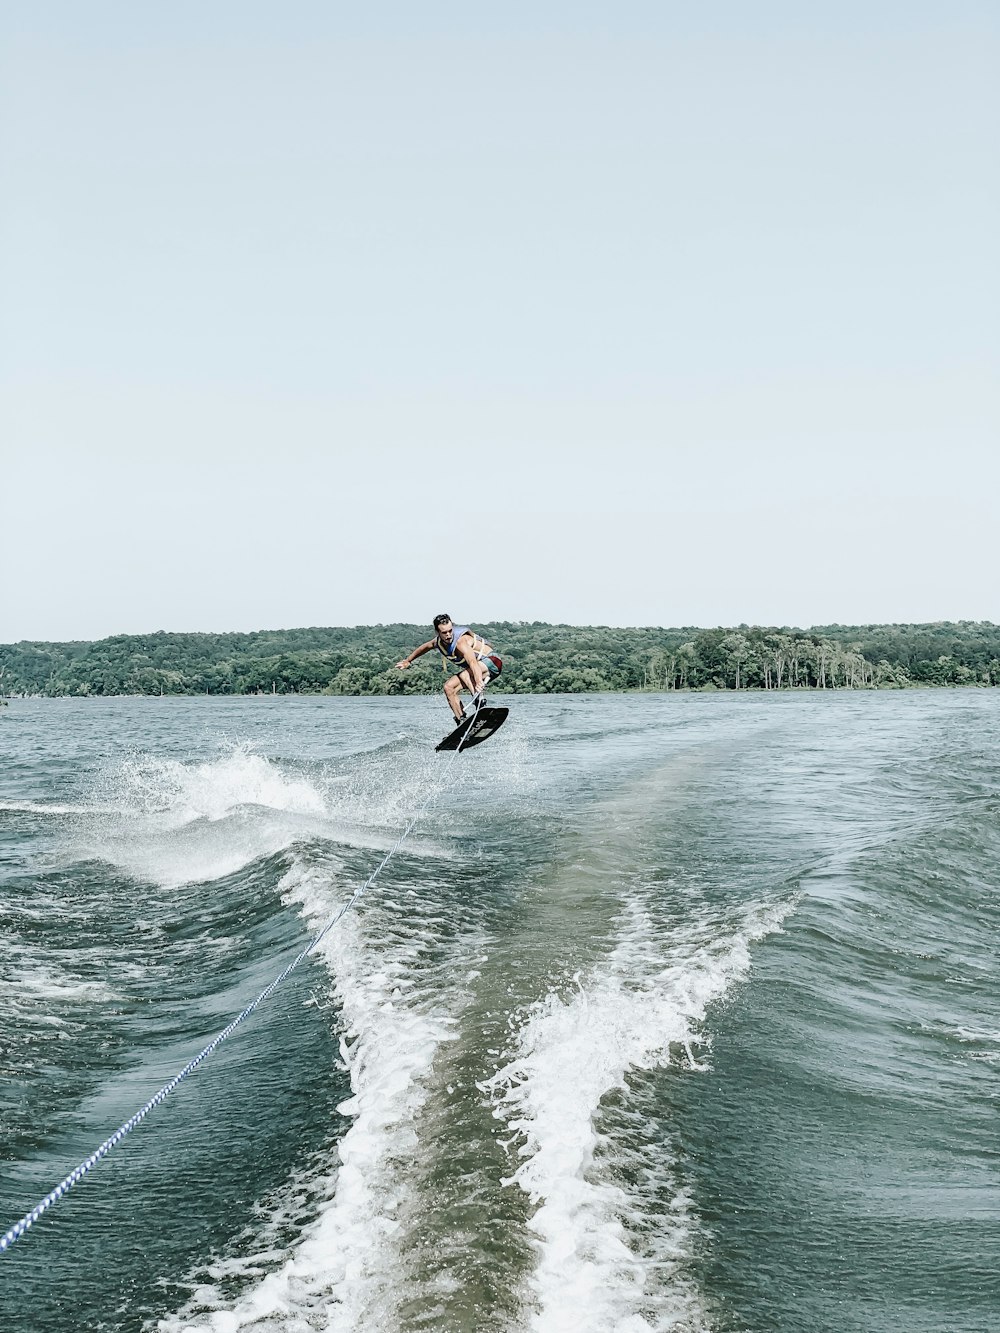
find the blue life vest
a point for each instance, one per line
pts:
(456, 633)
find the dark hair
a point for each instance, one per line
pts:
(439, 620)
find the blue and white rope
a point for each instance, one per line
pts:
(65, 1185)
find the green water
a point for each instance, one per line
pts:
(674, 1012)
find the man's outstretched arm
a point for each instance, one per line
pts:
(405, 662)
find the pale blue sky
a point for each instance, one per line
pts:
(330, 314)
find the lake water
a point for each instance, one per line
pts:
(673, 1012)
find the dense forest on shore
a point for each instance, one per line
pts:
(538, 659)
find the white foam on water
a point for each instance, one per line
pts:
(32, 977)
(52, 808)
(985, 1038)
(214, 788)
(40, 1003)
(173, 823)
(346, 1271)
(196, 854)
(642, 1010)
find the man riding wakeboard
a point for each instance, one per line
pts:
(464, 648)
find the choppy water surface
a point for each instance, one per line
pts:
(675, 1012)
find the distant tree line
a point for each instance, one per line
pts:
(538, 659)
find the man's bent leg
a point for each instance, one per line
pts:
(452, 689)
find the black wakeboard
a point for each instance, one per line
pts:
(476, 728)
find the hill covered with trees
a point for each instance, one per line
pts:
(538, 659)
